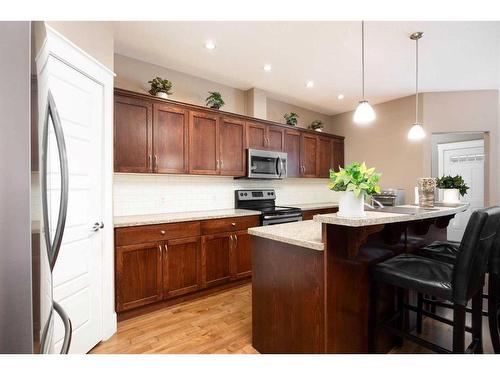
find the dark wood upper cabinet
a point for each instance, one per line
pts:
(181, 266)
(275, 138)
(338, 154)
(138, 275)
(170, 153)
(232, 146)
(133, 135)
(265, 137)
(256, 136)
(309, 155)
(216, 268)
(292, 148)
(241, 255)
(325, 156)
(153, 135)
(203, 143)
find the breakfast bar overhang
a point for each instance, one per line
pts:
(311, 288)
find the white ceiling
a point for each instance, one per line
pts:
(453, 56)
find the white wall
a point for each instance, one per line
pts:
(137, 194)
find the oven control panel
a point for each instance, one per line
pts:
(252, 195)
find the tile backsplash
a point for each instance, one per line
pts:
(137, 194)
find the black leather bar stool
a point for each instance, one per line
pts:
(447, 251)
(458, 283)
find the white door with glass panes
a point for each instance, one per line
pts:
(467, 160)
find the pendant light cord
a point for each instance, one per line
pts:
(363, 58)
(416, 82)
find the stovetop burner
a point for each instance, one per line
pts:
(263, 200)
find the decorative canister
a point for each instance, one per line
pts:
(426, 187)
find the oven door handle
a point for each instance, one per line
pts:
(278, 167)
(282, 216)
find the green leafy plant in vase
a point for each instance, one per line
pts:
(291, 118)
(214, 100)
(356, 181)
(160, 87)
(453, 188)
(317, 125)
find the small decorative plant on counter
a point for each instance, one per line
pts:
(317, 125)
(160, 87)
(355, 181)
(453, 188)
(291, 118)
(214, 100)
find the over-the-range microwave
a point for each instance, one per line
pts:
(266, 164)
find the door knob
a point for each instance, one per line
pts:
(98, 226)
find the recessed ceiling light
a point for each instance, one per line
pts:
(340, 97)
(309, 84)
(267, 67)
(210, 44)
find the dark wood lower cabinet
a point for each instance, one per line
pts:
(216, 259)
(138, 275)
(163, 261)
(241, 255)
(181, 266)
(309, 214)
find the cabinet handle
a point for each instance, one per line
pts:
(166, 247)
(156, 161)
(149, 161)
(159, 249)
(221, 163)
(235, 240)
(162, 232)
(217, 167)
(233, 224)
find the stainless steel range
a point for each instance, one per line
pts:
(263, 200)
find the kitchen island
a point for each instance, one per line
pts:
(311, 288)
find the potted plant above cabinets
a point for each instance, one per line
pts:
(453, 188)
(291, 118)
(355, 181)
(214, 100)
(160, 87)
(317, 125)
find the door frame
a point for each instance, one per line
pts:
(59, 47)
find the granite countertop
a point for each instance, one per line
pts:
(314, 206)
(301, 233)
(175, 217)
(375, 217)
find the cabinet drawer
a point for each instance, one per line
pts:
(229, 224)
(159, 232)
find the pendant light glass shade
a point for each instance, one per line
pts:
(416, 132)
(364, 113)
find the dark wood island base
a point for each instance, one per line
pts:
(307, 300)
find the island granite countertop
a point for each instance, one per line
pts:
(301, 233)
(377, 217)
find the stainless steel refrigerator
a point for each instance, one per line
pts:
(33, 198)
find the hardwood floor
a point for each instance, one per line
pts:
(221, 323)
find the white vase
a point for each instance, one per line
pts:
(451, 196)
(350, 206)
(162, 95)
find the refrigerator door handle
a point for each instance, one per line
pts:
(67, 328)
(53, 247)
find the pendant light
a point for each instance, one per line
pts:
(416, 132)
(364, 113)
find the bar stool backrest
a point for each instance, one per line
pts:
(472, 259)
(494, 261)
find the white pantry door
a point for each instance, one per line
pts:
(77, 275)
(467, 160)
